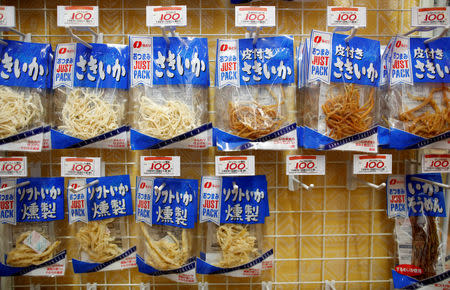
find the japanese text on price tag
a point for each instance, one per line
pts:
(235, 165)
(305, 165)
(166, 16)
(80, 167)
(430, 17)
(346, 16)
(372, 164)
(77, 16)
(7, 16)
(13, 167)
(160, 165)
(248, 16)
(435, 163)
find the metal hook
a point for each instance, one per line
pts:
(446, 186)
(266, 285)
(352, 34)
(330, 285)
(235, 186)
(352, 180)
(164, 33)
(417, 29)
(158, 189)
(256, 34)
(291, 183)
(77, 38)
(83, 186)
(202, 285)
(25, 183)
(440, 35)
(23, 37)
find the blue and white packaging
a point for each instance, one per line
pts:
(418, 93)
(302, 72)
(235, 209)
(24, 72)
(102, 205)
(169, 93)
(342, 87)
(254, 91)
(419, 210)
(166, 210)
(91, 96)
(31, 206)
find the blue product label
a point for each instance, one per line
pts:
(60, 140)
(425, 199)
(6, 270)
(103, 66)
(25, 64)
(88, 267)
(356, 61)
(147, 269)
(244, 200)
(41, 200)
(430, 62)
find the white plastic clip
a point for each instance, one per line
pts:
(158, 189)
(23, 37)
(352, 33)
(253, 32)
(446, 186)
(76, 190)
(440, 35)
(266, 285)
(202, 285)
(330, 285)
(25, 183)
(98, 37)
(91, 286)
(144, 286)
(235, 186)
(291, 184)
(418, 29)
(352, 180)
(172, 33)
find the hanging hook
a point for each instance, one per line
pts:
(256, 34)
(417, 29)
(23, 37)
(352, 180)
(160, 188)
(292, 179)
(22, 184)
(77, 38)
(235, 186)
(164, 33)
(446, 186)
(440, 35)
(266, 285)
(76, 190)
(352, 34)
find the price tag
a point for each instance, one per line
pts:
(372, 164)
(77, 16)
(435, 163)
(166, 16)
(235, 165)
(257, 16)
(430, 17)
(80, 167)
(346, 16)
(7, 16)
(305, 165)
(13, 167)
(160, 165)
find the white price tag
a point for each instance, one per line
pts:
(235, 165)
(430, 17)
(346, 16)
(7, 16)
(13, 167)
(435, 163)
(372, 164)
(160, 165)
(77, 16)
(256, 16)
(305, 165)
(166, 16)
(80, 167)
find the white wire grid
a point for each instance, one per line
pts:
(310, 267)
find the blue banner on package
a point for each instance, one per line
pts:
(167, 201)
(406, 282)
(425, 199)
(60, 140)
(6, 270)
(181, 61)
(25, 64)
(269, 61)
(88, 267)
(103, 66)
(148, 269)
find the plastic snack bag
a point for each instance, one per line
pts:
(419, 93)
(30, 208)
(99, 207)
(166, 210)
(341, 94)
(169, 93)
(302, 72)
(255, 94)
(90, 96)
(235, 209)
(419, 211)
(24, 77)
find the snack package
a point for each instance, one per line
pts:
(24, 75)
(302, 72)
(166, 210)
(169, 93)
(30, 207)
(419, 92)
(99, 212)
(235, 209)
(341, 93)
(419, 211)
(90, 103)
(255, 94)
